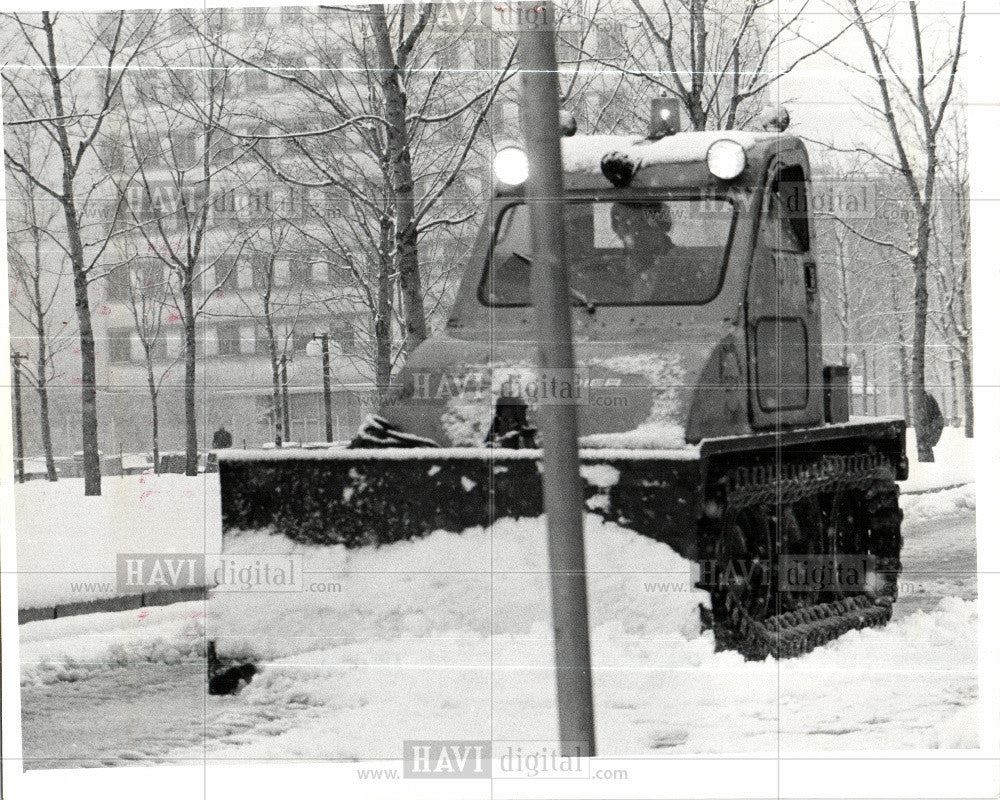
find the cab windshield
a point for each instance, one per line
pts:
(634, 252)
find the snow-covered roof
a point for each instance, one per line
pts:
(584, 153)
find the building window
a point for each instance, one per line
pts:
(291, 15)
(261, 345)
(185, 148)
(302, 334)
(299, 272)
(338, 273)
(229, 340)
(225, 273)
(118, 288)
(149, 273)
(344, 335)
(260, 264)
(255, 80)
(119, 346)
(254, 18)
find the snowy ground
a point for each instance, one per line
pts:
(954, 462)
(449, 638)
(68, 544)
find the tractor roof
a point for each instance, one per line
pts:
(584, 153)
(678, 160)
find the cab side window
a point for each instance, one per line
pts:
(786, 212)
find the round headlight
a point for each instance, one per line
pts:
(510, 166)
(726, 159)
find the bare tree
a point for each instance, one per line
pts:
(142, 282)
(913, 100)
(274, 304)
(718, 63)
(36, 273)
(67, 88)
(951, 262)
(177, 149)
(379, 151)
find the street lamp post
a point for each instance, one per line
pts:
(285, 415)
(322, 339)
(16, 359)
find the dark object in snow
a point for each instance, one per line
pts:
(934, 420)
(222, 439)
(226, 678)
(619, 169)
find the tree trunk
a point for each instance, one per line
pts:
(904, 381)
(88, 369)
(925, 451)
(41, 386)
(272, 351)
(190, 415)
(953, 376)
(154, 408)
(43, 413)
(965, 358)
(401, 171)
(383, 318)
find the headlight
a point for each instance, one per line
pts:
(726, 159)
(510, 166)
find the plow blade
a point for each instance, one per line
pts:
(379, 496)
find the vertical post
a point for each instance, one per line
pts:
(864, 381)
(562, 489)
(327, 400)
(285, 415)
(875, 381)
(18, 430)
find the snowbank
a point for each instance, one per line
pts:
(954, 462)
(67, 544)
(450, 637)
(944, 503)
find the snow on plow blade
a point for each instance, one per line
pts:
(372, 497)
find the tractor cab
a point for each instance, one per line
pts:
(696, 304)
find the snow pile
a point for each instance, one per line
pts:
(648, 436)
(68, 544)
(475, 583)
(450, 637)
(954, 462)
(945, 503)
(75, 648)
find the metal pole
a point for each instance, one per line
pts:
(327, 399)
(285, 415)
(18, 430)
(562, 487)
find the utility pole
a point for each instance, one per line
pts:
(562, 489)
(16, 359)
(285, 416)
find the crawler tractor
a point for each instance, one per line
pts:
(708, 420)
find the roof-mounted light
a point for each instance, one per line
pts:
(726, 159)
(664, 117)
(510, 166)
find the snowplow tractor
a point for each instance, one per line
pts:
(708, 420)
